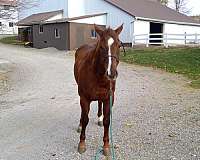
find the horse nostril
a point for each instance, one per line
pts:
(107, 74)
(113, 75)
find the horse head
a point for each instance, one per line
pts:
(109, 51)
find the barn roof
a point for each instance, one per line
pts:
(39, 17)
(144, 9)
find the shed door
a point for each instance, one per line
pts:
(156, 28)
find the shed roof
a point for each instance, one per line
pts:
(76, 18)
(62, 20)
(150, 10)
(39, 17)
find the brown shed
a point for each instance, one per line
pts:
(63, 36)
(62, 33)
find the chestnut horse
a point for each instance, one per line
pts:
(95, 69)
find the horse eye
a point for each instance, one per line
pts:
(103, 49)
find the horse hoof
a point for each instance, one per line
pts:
(106, 151)
(100, 123)
(81, 148)
(79, 129)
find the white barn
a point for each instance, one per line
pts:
(139, 17)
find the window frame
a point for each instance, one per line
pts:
(93, 34)
(6, 7)
(41, 29)
(57, 33)
(11, 24)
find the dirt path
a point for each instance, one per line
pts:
(156, 116)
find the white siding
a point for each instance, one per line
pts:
(141, 27)
(101, 20)
(115, 16)
(46, 6)
(5, 29)
(180, 29)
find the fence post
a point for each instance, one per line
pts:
(133, 41)
(165, 39)
(185, 38)
(147, 40)
(196, 38)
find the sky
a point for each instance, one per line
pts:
(194, 5)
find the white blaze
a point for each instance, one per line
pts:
(110, 42)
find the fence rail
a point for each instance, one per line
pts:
(165, 39)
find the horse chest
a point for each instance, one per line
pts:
(95, 90)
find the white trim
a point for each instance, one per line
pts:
(165, 21)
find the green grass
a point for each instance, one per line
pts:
(11, 40)
(184, 61)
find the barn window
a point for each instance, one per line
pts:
(6, 7)
(93, 33)
(57, 33)
(41, 29)
(11, 24)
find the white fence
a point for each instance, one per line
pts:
(166, 39)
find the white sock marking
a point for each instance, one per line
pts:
(100, 119)
(110, 42)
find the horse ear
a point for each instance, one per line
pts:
(98, 30)
(119, 29)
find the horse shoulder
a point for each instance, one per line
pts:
(82, 63)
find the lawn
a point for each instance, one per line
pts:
(184, 61)
(11, 40)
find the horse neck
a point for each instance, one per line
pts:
(95, 58)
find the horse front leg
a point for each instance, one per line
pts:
(106, 124)
(100, 114)
(85, 108)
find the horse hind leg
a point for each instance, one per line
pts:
(100, 114)
(85, 107)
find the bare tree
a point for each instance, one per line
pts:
(182, 6)
(10, 7)
(26, 4)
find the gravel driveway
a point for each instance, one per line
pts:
(156, 116)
